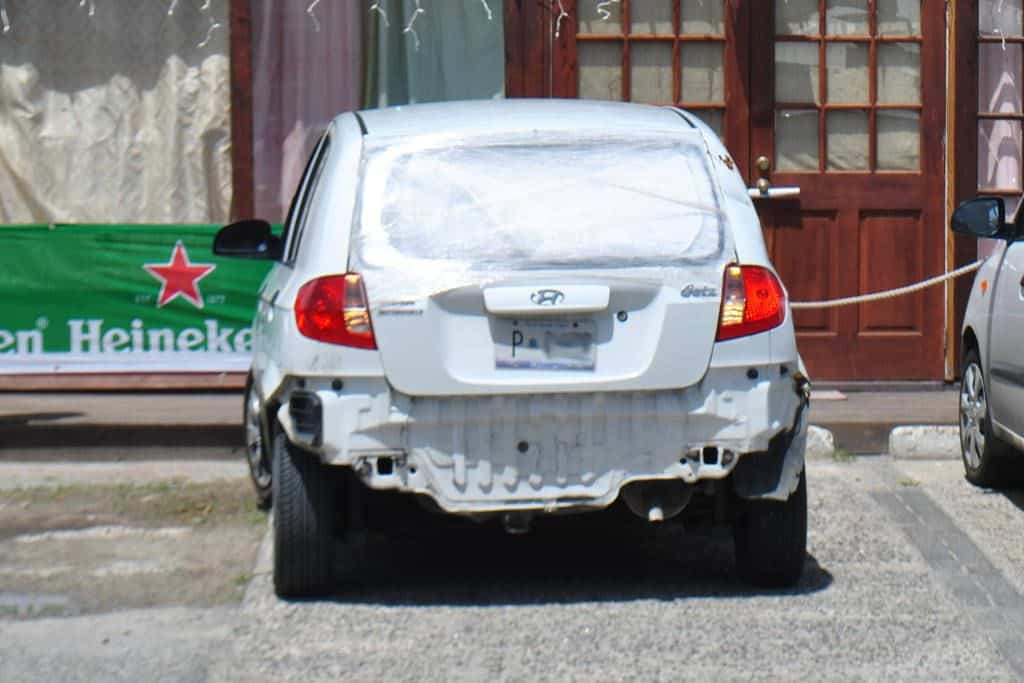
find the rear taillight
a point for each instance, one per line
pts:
(334, 309)
(752, 301)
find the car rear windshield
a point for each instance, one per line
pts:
(539, 202)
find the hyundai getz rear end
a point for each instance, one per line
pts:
(523, 308)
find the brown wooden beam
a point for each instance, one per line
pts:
(528, 48)
(242, 178)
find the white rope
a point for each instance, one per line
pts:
(888, 294)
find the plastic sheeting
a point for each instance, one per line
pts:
(440, 213)
(115, 112)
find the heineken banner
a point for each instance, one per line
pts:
(123, 298)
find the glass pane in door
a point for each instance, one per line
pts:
(702, 17)
(899, 17)
(651, 17)
(600, 70)
(999, 77)
(796, 17)
(593, 21)
(999, 155)
(796, 140)
(702, 73)
(847, 18)
(796, 73)
(650, 72)
(848, 73)
(899, 140)
(1000, 18)
(847, 139)
(899, 73)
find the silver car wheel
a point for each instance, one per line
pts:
(254, 446)
(973, 412)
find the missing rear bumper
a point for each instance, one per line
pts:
(775, 473)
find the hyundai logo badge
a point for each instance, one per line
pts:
(547, 297)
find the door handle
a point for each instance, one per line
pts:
(768, 192)
(764, 189)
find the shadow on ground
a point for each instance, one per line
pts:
(1015, 496)
(561, 561)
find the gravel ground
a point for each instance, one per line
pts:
(912, 575)
(599, 603)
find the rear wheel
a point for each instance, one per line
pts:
(988, 461)
(257, 446)
(304, 521)
(771, 539)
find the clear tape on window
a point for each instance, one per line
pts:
(437, 213)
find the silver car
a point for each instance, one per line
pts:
(521, 308)
(992, 380)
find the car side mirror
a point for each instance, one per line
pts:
(250, 238)
(981, 217)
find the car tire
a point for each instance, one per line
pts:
(305, 511)
(988, 461)
(771, 539)
(258, 452)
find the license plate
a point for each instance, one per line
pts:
(548, 344)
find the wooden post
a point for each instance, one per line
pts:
(242, 178)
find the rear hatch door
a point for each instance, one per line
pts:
(542, 264)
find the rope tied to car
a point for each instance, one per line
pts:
(889, 293)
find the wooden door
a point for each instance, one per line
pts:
(841, 98)
(847, 102)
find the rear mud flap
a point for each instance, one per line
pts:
(774, 474)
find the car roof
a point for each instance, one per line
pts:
(515, 115)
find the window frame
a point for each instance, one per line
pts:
(295, 221)
(983, 116)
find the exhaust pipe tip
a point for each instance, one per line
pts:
(658, 499)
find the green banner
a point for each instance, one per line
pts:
(123, 298)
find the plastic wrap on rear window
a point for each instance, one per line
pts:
(439, 213)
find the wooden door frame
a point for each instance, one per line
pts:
(961, 178)
(242, 172)
(529, 33)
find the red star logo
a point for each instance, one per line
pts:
(179, 277)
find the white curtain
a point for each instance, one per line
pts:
(115, 112)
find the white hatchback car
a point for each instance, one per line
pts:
(521, 308)
(992, 379)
